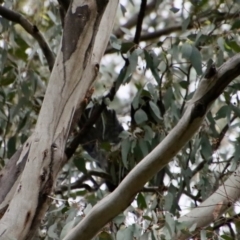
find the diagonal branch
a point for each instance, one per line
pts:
(169, 30)
(32, 30)
(117, 201)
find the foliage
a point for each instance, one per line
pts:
(161, 73)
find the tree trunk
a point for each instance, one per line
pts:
(75, 69)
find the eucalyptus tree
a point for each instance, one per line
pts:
(143, 144)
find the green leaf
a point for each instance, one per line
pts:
(203, 235)
(233, 45)
(220, 57)
(104, 236)
(222, 112)
(184, 84)
(236, 24)
(52, 231)
(23, 121)
(133, 60)
(80, 164)
(149, 133)
(221, 43)
(155, 109)
(235, 109)
(6, 81)
(25, 89)
(147, 218)
(140, 116)
(193, 227)
(226, 237)
(67, 228)
(187, 50)
(11, 146)
(143, 146)
(206, 147)
(119, 219)
(125, 147)
(115, 43)
(168, 201)
(170, 223)
(174, 9)
(123, 9)
(124, 134)
(126, 46)
(151, 88)
(196, 60)
(185, 24)
(125, 233)
(141, 201)
(122, 75)
(23, 102)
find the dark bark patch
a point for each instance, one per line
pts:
(43, 175)
(73, 27)
(3, 210)
(19, 187)
(198, 111)
(27, 218)
(101, 5)
(35, 29)
(45, 154)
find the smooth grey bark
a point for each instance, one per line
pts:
(113, 204)
(73, 73)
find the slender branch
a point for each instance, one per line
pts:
(79, 183)
(32, 30)
(134, 19)
(186, 93)
(222, 133)
(140, 21)
(207, 92)
(168, 30)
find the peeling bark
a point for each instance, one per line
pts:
(68, 84)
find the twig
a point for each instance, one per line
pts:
(222, 133)
(80, 182)
(140, 21)
(32, 30)
(133, 20)
(186, 93)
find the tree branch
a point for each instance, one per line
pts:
(32, 30)
(133, 20)
(117, 201)
(140, 21)
(75, 70)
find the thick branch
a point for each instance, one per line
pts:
(75, 70)
(117, 201)
(32, 30)
(212, 208)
